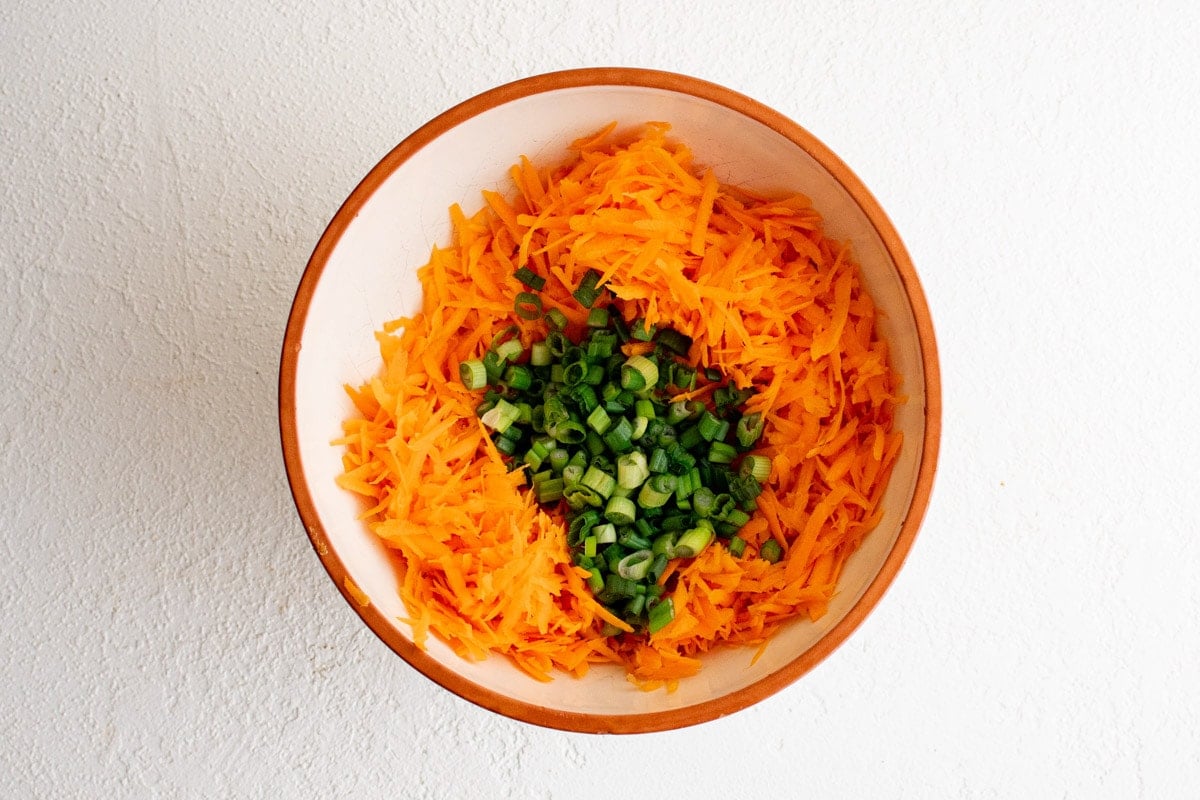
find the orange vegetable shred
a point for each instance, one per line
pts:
(767, 298)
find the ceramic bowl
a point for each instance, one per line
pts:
(363, 272)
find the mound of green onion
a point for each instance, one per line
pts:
(645, 480)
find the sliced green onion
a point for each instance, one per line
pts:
(708, 426)
(691, 437)
(528, 305)
(473, 374)
(596, 580)
(678, 411)
(598, 481)
(508, 350)
(632, 470)
(638, 373)
(556, 319)
(598, 420)
(770, 551)
(657, 491)
(518, 377)
(568, 431)
(636, 565)
(640, 332)
(605, 533)
(757, 467)
(549, 490)
(736, 518)
(721, 453)
(620, 511)
(748, 429)
(694, 540)
(619, 438)
(500, 416)
(673, 340)
(662, 613)
(530, 278)
(616, 586)
(737, 546)
(597, 318)
(539, 354)
(658, 460)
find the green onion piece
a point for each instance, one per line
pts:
(500, 416)
(616, 587)
(556, 341)
(589, 546)
(539, 354)
(568, 431)
(737, 518)
(663, 544)
(597, 318)
(631, 539)
(472, 374)
(632, 470)
(605, 533)
(619, 438)
(620, 511)
(585, 297)
(709, 424)
(593, 443)
(656, 570)
(640, 332)
(549, 491)
(644, 408)
(598, 420)
(694, 540)
(658, 460)
(596, 580)
(558, 459)
(599, 481)
(585, 395)
(506, 446)
(533, 458)
(737, 546)
(493, 366)
(572, 474)
(703, 501)
(757, 467)
(638, 373)
(721, 453)
(662, 613)
(530, 278)
(575, 373)
(636, 565)
(518, 377)
(636, 604)
(657, 491)
(556, 319)
(770, 551)
(508, 350)
(674, 341)
(678, 411)
(748, 429)
(691, 437)
(528, 305)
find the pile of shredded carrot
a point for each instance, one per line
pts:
(767, 298)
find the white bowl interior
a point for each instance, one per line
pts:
(370, 278)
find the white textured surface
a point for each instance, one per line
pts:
(167, 630)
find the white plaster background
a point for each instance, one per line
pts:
(167, 630)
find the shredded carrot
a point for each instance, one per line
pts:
(767, 299)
